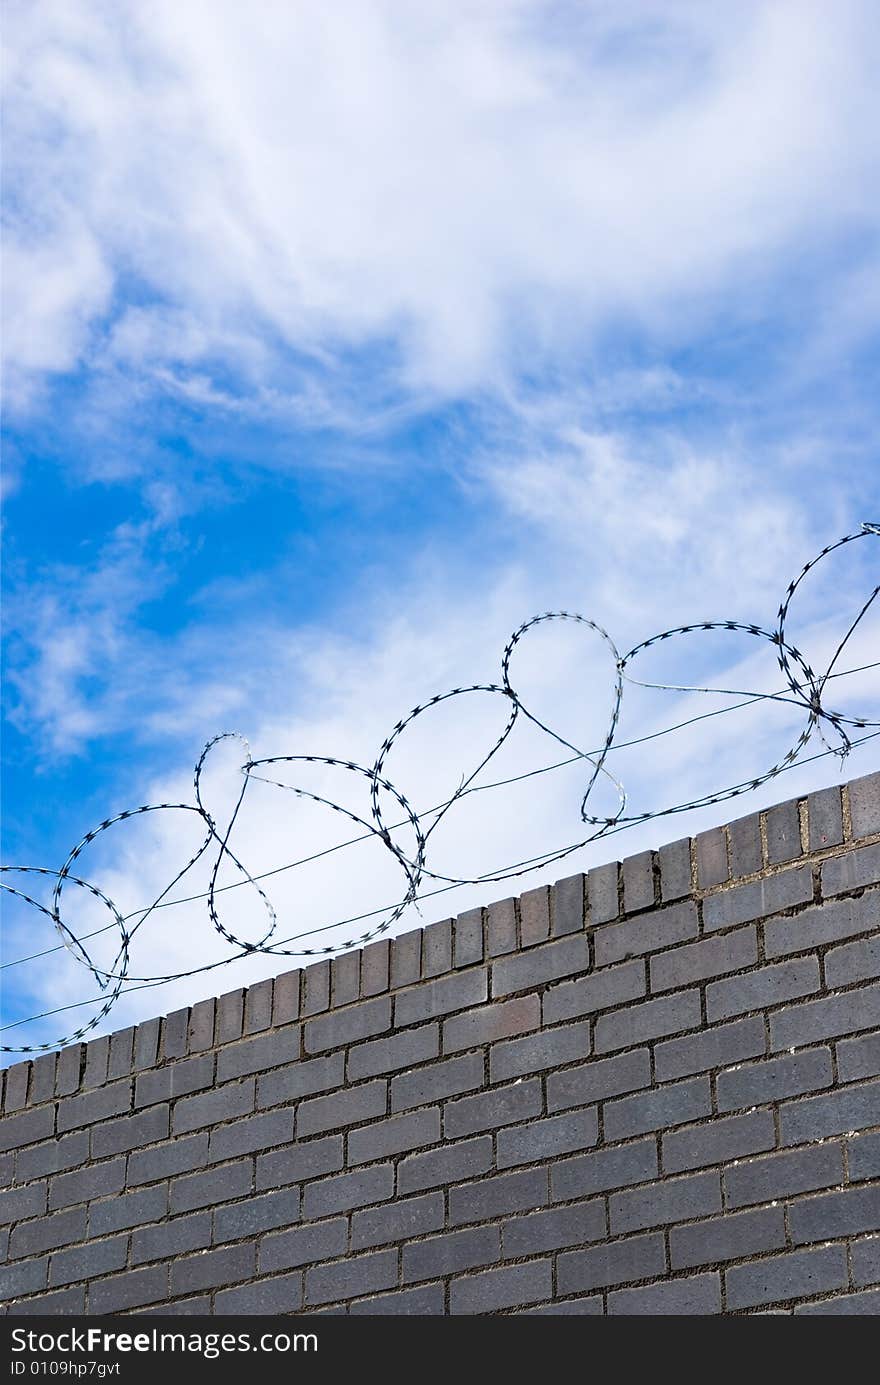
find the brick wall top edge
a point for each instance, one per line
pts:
(828, 823)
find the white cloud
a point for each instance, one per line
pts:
(463, 188)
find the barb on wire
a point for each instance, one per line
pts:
(804, 688)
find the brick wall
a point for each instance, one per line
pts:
(651, 1089)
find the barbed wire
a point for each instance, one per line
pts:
(804, 688)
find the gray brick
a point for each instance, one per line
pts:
(618, 1262)
(647, 933)
(146, 1044)
(175, 1080)
(501, 928)
(19, 1203)
(131, 1132)
(63, 1301)
(89, 1261)
(491, 1022)
(27, 1128)
(602, 893)
(783, 1175)
(406, 958)
(858, 1058)
(285, 998)
(282, 1294)
(441, 997)
(799, 1274)
(852, 871)
(489, 1110)
(658, 1108)
(399, 1221)
(675, 869)
(825, 818)
(27, 1278)
(745, 845)
(527, 970)
(133, 1209)
(129, 1290)
(604, 1077)
(852, 1108)
(398, 1135)
(469, 938)
(348, 1026)
(16, 1087)
(523, 1144)
(305, 1159)
(210, 1269)
(252, 1133)
(571, 1307)
(437, 948)
(701, 961)
(508, 1287)
(165, 1160)
(211, 1186)
(534, 916)
(604, 1169)
(451, 1254)
(650, 1020)
(264, 1213)
(451, 1164)
(92, 1180)
(48, 1233)
(495, 1196)
(711, 853)
(720, 1140)
(201, 1026)
(439, 1080)
(866, 1260)
(230, 1016)
(551, 1230)
(175, 1032)
(286, 1249)
(348, 1190)
(258, 1007)
(697, 1296)
(426, 1301)
(757, 899)
(824, 923)
(549, 1048)
(97, 1056)
(856, 962)
(358, 1274)
(713, 1048)
(316, 988)
(737, 1237)
(864, 805)
(862, 1304)
(97, 1105)
(757, 989)
(7, 1168)
(171, 1238)
(264, 1051)
(835, 1215)
(68, 1070)
(43, 1078)
(200, 1305)
(567, 903)
(783, 833)
(826, 1018)
(347, 1107)
(209, 1108)
(774, 1079)
(638, 881)
(375, 961)
(399, 1051)
(598, 991)
(345, 979)
(304, 1078)
(863, 1157)
(658, 1204)
(52, 1157)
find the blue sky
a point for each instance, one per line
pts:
(340, 340)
